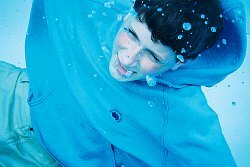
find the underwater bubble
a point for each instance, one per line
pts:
(180, 10)
(193, 11)
(95, 75)
(101, 89)
(233, 103)
(105, 49)
(108, 4)
(199, 55)
(151, 104)
(203, 16)
(187, 26)
(151, 80)
(221, 16)
(205, 22)
(224, 41)
(183, 50)
(179, 36)
(56, 19)
(93, 12)
(181, 58)
(104, 14)
(159, 9)
(213, 29)
(163, 14)
(43, 17)
(90, 16)
(218, 45)
(119, 17)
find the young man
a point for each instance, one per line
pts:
(83, 116)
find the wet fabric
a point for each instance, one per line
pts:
(18, 144)
(86, 118)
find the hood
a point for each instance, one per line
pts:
(223, 58)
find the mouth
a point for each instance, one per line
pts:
(121, 70)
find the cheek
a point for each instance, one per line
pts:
(122, 39)
(149, 67)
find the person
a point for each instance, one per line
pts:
(84, 112)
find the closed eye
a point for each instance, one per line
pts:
(155, 57)
(131, 33)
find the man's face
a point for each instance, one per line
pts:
(135, 55)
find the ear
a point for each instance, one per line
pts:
(177, 65)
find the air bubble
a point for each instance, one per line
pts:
(151, 104)
(224, 41)
(187, 26)
(151, 80)
(180, 58)
(179, 36)
(233, 103)
(159, 9)
(213, 29)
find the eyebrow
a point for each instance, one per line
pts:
(137, 38)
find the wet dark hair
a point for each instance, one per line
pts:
(170, 21)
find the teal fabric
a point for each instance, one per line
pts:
(18, 144)
(86, 118)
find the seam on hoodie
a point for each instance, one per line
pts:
(40, 99)
(165, 124)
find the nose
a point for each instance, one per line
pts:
(131, 56)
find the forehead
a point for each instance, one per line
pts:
(145, 36)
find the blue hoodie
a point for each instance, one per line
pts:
(84, 117)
